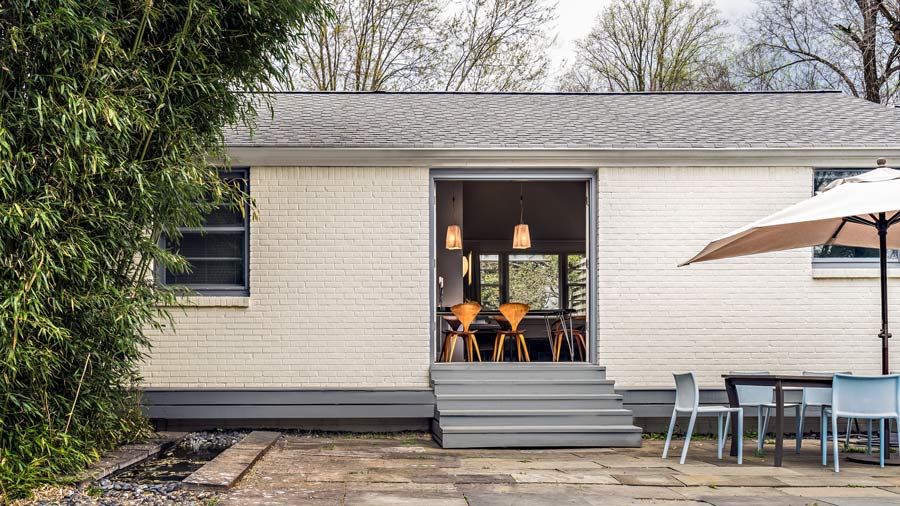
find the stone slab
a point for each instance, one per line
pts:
(127, 456)
(222, 472)
(367, 498)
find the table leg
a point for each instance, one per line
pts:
(779, 423)
(733, 402)
(562, 322)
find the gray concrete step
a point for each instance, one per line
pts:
(531, 386)
(480, 371)
(528, 401)
(539, 417)
(537, 436)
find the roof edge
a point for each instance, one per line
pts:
(563, 157)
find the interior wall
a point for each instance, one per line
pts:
(555, 212)
(449, 262)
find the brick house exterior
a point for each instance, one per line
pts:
(343, 240)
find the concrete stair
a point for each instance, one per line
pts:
(529, 405)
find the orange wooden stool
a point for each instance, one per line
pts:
(513, 312)
(465, 313)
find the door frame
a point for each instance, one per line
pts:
(589, 176)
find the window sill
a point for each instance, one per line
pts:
(856, 272)
(211, 301)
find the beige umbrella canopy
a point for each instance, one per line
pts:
(855, 211)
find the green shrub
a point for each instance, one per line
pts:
(110, 112)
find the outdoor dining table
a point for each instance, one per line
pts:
(779, 382)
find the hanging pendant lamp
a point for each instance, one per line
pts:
(454, 234)
(521, 236)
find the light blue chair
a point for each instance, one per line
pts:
(687, 400)
(862, 397)
(820, 398)
(761, 397)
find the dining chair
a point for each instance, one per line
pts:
(820, 397)
(761, 397)
(513, 312)
(687, 400)
(465, 313)
(577, 331)
(862, 397)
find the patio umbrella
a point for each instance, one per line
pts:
(855, 211)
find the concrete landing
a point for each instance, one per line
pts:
(222, 472)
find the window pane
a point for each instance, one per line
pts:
(534, 280)
(821, 179)
(210, 272)
(578, 275)
(211, 245)
(224, 216)
(490, 280)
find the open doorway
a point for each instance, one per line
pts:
(500, 241)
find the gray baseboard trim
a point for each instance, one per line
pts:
(658, 402)
(217, 404)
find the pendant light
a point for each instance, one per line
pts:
(521, 236)
(454, 234)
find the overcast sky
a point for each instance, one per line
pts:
(577, 16)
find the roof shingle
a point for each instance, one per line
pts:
(575, 121)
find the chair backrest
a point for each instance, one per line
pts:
(753, 395)
(687, 393)
(817, 396)
(872, 396)
(466, 313)
(503, 322)
(514, 312)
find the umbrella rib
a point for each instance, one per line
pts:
(859, 221)
(894, 219)
(836, 232)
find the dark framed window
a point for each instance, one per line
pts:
(843, 255)
(218, 251)
(543, 281)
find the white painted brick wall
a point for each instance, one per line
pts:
(339, 289)
(764, 312)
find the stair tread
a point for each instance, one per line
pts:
(549, 381)
(533, 412)
(551, 395)
(526, 429)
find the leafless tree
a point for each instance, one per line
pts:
(651, 45)
(370, 45)
(853, 45)
(496, 45)
(483, 45)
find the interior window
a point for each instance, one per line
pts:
(534, 280)
(577, 275)
(489, 266)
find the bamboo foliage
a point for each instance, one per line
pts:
(109, 113)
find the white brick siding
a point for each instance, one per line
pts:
(764, 312)
(339, 289)
(339, 279)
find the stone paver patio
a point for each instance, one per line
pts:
(412, 470)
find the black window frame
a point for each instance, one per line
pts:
(848, 262)
(474, 290)
(220, 290)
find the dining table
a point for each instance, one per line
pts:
(563, 316)
(779, 382)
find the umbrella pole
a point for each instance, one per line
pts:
(882, 226)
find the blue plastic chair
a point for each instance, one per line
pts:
(818, 397)
(762, 397)
(862, 397)
(687, 400)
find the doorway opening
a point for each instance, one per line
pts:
(523, 238)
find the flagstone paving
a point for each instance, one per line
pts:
(412, 470)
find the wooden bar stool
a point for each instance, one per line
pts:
(465, 313)
(580, 342)
(513, 312)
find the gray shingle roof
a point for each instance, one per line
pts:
(578, 121)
